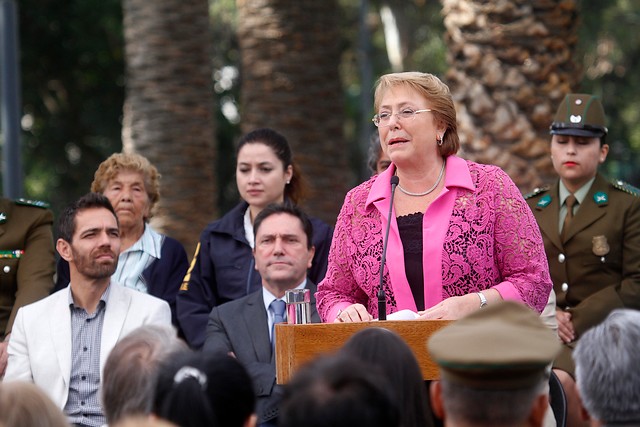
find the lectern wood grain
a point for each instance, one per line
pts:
(297, 344)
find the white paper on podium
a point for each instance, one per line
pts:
(403, 315)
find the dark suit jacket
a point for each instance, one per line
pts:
(241, 327)
(222, 270)
(586, 283)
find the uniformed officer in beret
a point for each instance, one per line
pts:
(27, 261)
(590, 227)
(494, 367)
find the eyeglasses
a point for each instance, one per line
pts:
(383, 119)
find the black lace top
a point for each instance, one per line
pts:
(410, 228)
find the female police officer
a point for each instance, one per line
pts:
(590, 228)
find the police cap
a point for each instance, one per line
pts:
(504, 346)
(580, 115)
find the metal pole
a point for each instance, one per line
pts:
(10, 100)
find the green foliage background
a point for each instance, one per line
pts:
(73, 82)
(609, 42)
(72, 93)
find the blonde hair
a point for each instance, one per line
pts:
(118, 162)
(436, 93)
(24, 404)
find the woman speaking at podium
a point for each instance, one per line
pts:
(461, 235)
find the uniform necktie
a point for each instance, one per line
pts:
(277, 306)
(570, 203)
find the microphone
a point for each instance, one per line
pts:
(382, 298)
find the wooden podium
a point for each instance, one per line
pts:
(297, 344)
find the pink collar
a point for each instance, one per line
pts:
(456, 175)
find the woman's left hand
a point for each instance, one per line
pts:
(450, 309)
(454, 308)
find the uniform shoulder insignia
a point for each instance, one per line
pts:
(536, 191)
(627, 188)
(34, 203)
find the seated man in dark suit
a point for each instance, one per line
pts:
(244, 327)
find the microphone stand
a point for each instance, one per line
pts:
(382, 298)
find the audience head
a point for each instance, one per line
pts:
(89, 239)
(130, 370)
(494, 367)
(286, 209)
(129, 175)
(265, 171)
(378, 160)
(67, 221)
(24, 404)
(435, 92)
(283, 247)
(391, 355)
(198, 389)
(578, 136)
(607, 371)
(337, 391)
(142, 421)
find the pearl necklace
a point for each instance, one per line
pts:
(409, 193)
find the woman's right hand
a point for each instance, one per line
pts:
(565, 326)
(353, 313)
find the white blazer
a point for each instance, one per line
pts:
(40, 343)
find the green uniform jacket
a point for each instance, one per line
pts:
(25, 276)
(596, 268)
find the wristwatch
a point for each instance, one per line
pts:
(483, 299)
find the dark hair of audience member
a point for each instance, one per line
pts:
(23, 404)
(285, 208)
(131, 368)
(338, 391)
(373, 154)
(198, 389)
(296, 190)
(67, 219)
(395, 359)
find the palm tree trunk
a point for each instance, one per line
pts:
(511, 65)
(290, 82)
(168, 113)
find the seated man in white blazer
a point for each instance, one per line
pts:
(61, 342)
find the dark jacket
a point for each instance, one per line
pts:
(223, 270)
(596, 267)
(241, 327)
(162, 277)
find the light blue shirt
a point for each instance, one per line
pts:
(133, 261)
(268, 297)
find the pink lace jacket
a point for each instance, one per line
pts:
(478, 234)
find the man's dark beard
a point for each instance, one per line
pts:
(91, 269)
